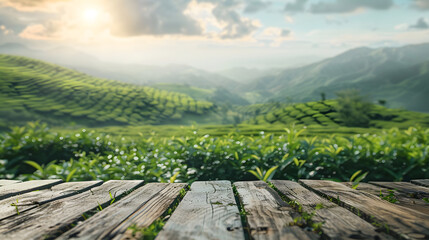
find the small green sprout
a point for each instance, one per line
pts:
(355, 179)
(390, 197)
(264, 176)
(16, 206)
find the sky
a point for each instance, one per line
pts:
(214, 34)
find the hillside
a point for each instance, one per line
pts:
(129, 73)
(398, 75)
(325, 114)
(35, 90)
(216, 95)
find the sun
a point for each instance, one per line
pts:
(91, 14)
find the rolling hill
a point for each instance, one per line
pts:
(129, 73)
(398, 75)
(34, 90)
(324, 113)
(216, 95)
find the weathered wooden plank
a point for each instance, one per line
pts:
(421, 182)
(268, 216)
(338, 223)
(31, 200)
(4, 182)
(208, 211)
(53, 217)
(400, 221)
(141, 207)
(403, 199)
(25, 187)
(410, 189)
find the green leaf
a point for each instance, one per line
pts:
(270, 173)
(173, 178)
(255, 174)
(259, 172)
(355, 175)
(35, 165)
(70, 175)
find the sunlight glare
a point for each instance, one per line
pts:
(91, 14)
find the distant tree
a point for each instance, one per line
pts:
(237, 119)
(323, 95)
(382, 102)
(353, 108)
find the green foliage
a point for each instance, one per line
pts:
(349, 110)
(306, 219)
(393, 154)
(353, 108)
(390, 197)
(147, 233)
(264, 176)
(16, 206)
(355, 179)
(34, 90)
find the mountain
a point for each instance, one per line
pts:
(129, 73)
(245, 75)
(397, 75)
(34, 90)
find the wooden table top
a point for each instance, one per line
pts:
(123, 209)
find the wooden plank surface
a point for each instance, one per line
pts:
(52, 218)
(410, 189)
(25, 187)
(141, 207)
(4, 182)
(403, 199)
(421, 182)
(397, 220)
(33, 199)
(338, 222)
(268, 215)
(208, 211)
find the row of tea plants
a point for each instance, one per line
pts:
(35, 152)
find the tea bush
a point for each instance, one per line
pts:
(35, 152)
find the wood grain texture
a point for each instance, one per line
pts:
(141, 207)
(32, 200)
(4, 182)
(421, 182)
(338, 222)
(410, 189)
(402, 222)
(208, 211)
(51, 218)
(25, 187)
(268, 216)
(403, 199)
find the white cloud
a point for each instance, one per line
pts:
(5, 30)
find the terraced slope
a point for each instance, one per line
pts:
(325, 114)
(33, 90)
(216, 95)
